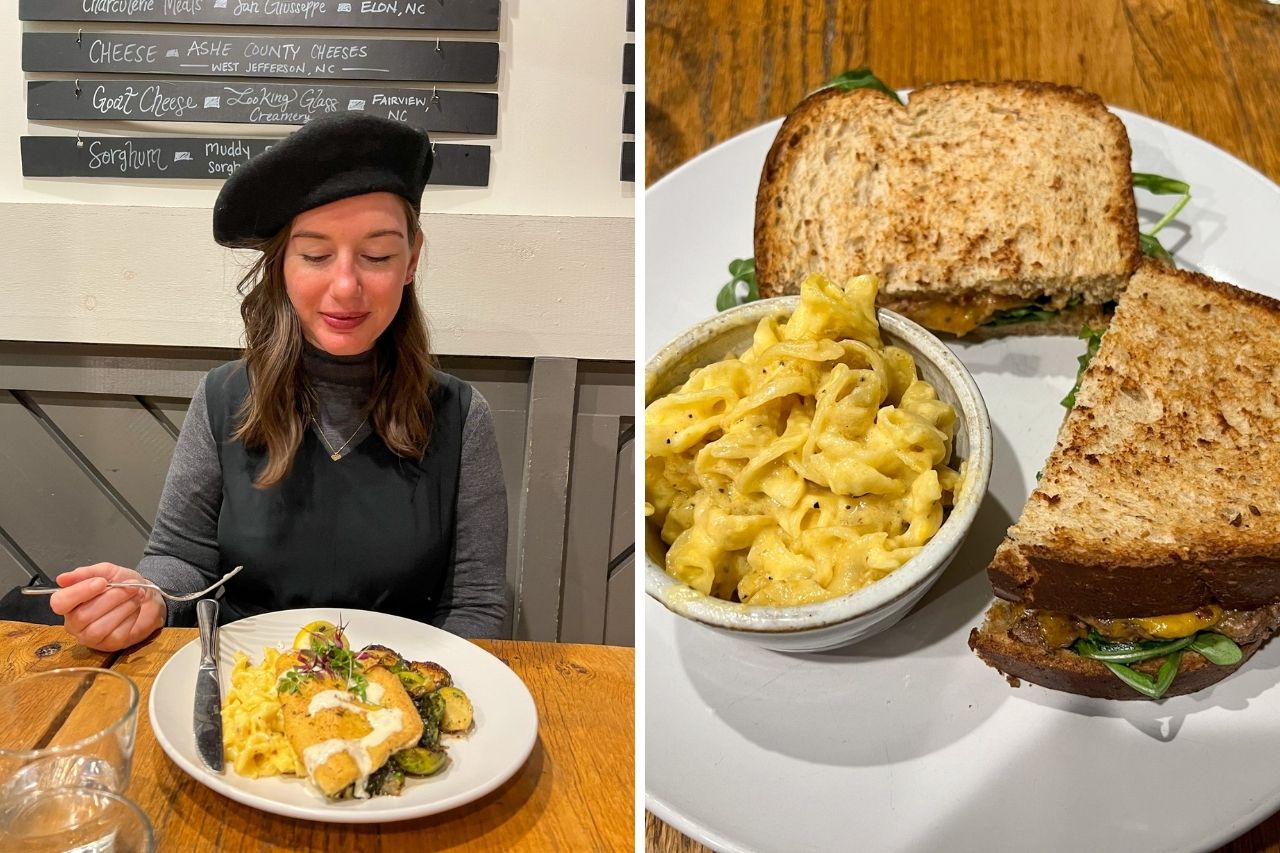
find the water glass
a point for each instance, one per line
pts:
(67, 728)
(74, 820)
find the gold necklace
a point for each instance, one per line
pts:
(335, 455)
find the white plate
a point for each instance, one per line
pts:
(506, 722)
(908, 742)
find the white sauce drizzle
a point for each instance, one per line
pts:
(326, 699)
(384, 722)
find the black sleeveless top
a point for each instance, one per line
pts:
(372, 531)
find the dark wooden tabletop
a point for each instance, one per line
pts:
(575, 792)
(716, 68)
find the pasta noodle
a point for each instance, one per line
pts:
(811, 465)
(252, 727)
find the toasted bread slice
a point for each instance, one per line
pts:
(1059, 669)
(1004, 191)
(1160, 495)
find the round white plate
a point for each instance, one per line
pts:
(908, 742)
(506, 721)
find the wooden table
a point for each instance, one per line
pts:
(576, 791)
(716, 68)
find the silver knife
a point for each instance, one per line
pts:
(207, 716)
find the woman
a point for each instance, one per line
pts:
(334, 461)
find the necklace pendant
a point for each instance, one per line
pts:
(335, 456)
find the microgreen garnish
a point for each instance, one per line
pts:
(743, 271)
(290, 682)
(330, 659)
(860, 78)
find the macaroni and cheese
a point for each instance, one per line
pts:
(811, 465)
(252, 727)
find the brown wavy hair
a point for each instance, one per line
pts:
(280, 402)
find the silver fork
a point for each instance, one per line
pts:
(50, 590)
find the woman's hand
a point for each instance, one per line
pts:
(102, 618)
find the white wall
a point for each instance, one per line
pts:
(555, 158)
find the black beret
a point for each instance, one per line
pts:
(327, 159)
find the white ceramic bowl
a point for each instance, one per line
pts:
(874, 608)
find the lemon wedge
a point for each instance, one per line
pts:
(317, 632)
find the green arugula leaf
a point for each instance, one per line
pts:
(1144, 684)
(1031, 312)
(1152, 688)
(1094, 646)
(1152, 248)
(1025, 314)
(1215, 648)
(860, 78)
(1212, 646)
(1167, 672)
(1094, 337)
(1160, 185)
(743, 271)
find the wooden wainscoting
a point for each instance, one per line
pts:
(86, 432)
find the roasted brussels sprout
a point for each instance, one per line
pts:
(414, 684)
(457, 710)
(431, 710)
(387, 779)
(376, 655)
(420, 761)
(435, 675)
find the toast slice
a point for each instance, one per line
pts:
(1158, 506)
(1160, 495)
(971, 199)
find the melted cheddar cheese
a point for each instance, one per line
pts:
(958, 318)
(1171, 627)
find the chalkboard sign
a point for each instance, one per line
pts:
(628, 161)
(257, 103)
(262, 56)
(390, 14)
(629, 63)
(200, 157)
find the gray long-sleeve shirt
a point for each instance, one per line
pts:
(182, 554)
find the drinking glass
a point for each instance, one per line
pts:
(74, 820)
(67, 728)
